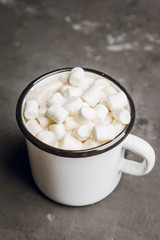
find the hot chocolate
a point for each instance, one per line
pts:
(76, 110)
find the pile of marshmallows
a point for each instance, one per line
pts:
(76, 112)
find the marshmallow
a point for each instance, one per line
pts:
(56, 98)
(70, 123)
(86, 104)
(76, 76)
(88, 80)
(46, 137)
(85, 87)
(33, 127)
(42, 110)
(39, 88)
(57, 113)
(53, 86)
(122, 115)
(101, 83)
(70, 143)
(58, 130)
(92, 95)
(104, 132)
(116, 100)
(73, 105)
(118, 126)
(64, 78)
(109, 119)
(90, 144)
(43, 120)
(86, 83)
(48, 95)
(92, 124)
(83, 132)
(101, 113)
(85, 114)
(36, 96)
(72, 92)
(63, 88)
(110, 90)
(31, 109)
(70, 132)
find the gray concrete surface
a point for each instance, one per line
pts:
(121, 38)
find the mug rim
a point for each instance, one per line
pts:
(73, 153)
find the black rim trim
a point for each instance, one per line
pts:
(73, 153)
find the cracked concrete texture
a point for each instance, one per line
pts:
(120, 38)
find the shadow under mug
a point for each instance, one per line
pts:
(84, 177)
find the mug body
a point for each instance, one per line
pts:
(76, 181)
(75, 177)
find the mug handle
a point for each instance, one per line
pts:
(144, 150)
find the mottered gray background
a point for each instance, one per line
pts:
(120, 38)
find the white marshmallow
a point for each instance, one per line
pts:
(87, 82)
(92, 124)
(90, 144)
(102, 83)
(64, 78)
(76, 76)
(85, 114)
(110, 90)
(86, 104)
(92, 95)
(40, 87)
(48, 95)
(57, 113)
(101, 113)
(39, 97)
(53, 86)
(43, 120)
(117, 100)
(63, 88)
(33, 127)
(42, 109)
(70, 143)
(56, 98)
(73, 105)
(70, 132)
(72, 92)
(85, 87)
(46, 137)
(70, 123)
(118, 126)
(122, 115)
(104, 132)
(58, 130)
(31, 109)
(83, 132)
(109, 119)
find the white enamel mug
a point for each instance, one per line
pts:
(84, 177)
